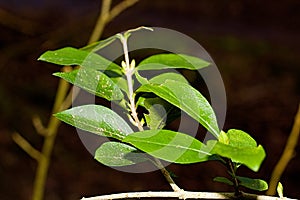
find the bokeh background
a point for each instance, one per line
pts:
(255, 45)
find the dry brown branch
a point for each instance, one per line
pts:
(38, 125)
(286, 156)
(26, 146)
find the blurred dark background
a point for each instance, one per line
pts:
(255, 45)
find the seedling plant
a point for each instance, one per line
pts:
(143, 136)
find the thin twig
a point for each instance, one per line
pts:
(167, 176)
(129, 70)
(286, 156)
(101, 21)
(39, 127)
(26, 146)
(44, 161)
(183, 195)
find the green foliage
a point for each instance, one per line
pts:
(169, 145)
(119, 154)
(168, 61)
(254, 184)
(186, 98)
(160, 112)
(163, 97)
(94, 82)
(96, 119)
(72, 56)
(240, 148)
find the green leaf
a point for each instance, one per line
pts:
(254, 184)
(167, 61)
(121, 83)
(240, 139)
(252, 157)
(94, 82)
(169, 145)
(223, 137)
(159, 79)
(100, 44)
(188, 99)
(140, 79)
(118, 154)
(72, 56)
(96, 119)
(223, 180)
(160, 112)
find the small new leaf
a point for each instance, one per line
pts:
(254, 184)
(223, 138)
(280, 190)
(160, 111)
(188, 99)
(240, 147)
(223, 180)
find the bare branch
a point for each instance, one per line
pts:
(39, 127)
(286, 156)
(26, 146)
(101, 21)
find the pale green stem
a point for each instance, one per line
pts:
(129, 71)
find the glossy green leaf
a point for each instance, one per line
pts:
(73, 56)
(167, 61)
(159, 79)
(141, 79)
(188, 99)
(252, 157)
(96, 119)
(254, 184)
(94, 82)
(169, 145)
(160, 112)
(223, 180)
(118, 154)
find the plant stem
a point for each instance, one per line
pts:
(129, 71)
(44, 160)
(286, 156)
(232, 169)
(101, 21)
